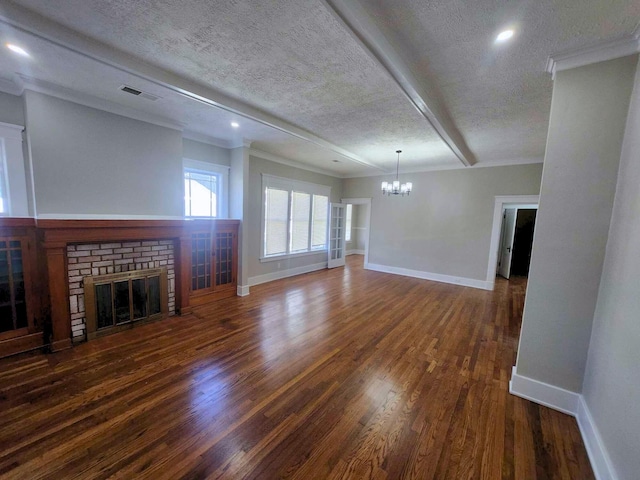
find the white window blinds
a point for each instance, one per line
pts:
(295, 217)
(320, 220)
(276, 221)
(300, 221)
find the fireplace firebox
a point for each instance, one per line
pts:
(115, 301)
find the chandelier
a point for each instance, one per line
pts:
(394, 188)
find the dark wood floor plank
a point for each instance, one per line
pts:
(343, 373)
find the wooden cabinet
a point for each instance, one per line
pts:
(15, 317)
(20, 325)
(214, 260)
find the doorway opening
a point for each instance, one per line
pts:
(523, 241)
(511, 236)
(358, 215)
(516, 241)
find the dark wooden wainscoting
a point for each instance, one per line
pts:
(43, 249)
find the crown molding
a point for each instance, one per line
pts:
(12, 87)
(600, 52)
(291, 163)
(53, 90)
(202, 138)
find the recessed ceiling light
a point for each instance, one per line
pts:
(17, 49)
(235, 124)
(506, 35)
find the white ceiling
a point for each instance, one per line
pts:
(300, 82)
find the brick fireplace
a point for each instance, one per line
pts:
(97, 259)
(75, 249)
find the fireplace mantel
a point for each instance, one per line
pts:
(59, 233)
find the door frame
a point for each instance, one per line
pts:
(367, 223)
(502, 202)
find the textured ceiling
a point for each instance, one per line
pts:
(289, 58)
(499, 95)
(294, 60)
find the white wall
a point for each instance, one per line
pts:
(11, 109)
(90, 162)
(612, 380)
(204, 152)
(239, 209)
(358, 220)
(257, 167)
(588, 115)
(360, 225)
(444, 226)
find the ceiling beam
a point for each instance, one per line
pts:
(40, 27)
(364, 29)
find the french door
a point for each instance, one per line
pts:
(337, 221)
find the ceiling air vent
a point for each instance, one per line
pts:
(138, 93)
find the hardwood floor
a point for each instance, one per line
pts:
(344, 373)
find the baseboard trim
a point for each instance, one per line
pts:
(544, 394)
(436, 277)
(572, 404)
(598, 455)
(291, 272)
(242, 290)
(354, 252)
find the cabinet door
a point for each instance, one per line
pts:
(15, 311)
(201, 262)
(225, 259)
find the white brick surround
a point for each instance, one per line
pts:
(84, 260)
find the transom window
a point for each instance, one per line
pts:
(295, 217)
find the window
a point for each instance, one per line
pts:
(205, 189)
(347, 235)
(13, 179)
(295, 218)
(201, 194)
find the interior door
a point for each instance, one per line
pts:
(506, 247)
(337, 221)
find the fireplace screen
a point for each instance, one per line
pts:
(122, 298)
